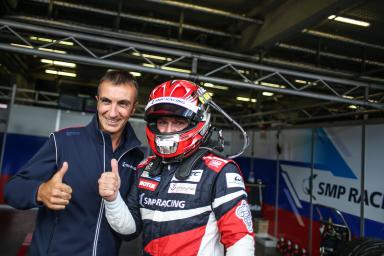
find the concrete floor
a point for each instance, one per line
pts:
(16, 227)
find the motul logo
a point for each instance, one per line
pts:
(148, 184)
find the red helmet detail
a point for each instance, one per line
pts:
(177, 98)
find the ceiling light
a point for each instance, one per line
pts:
(243, 71)
(47, 40)
(22, 45)
(3, 106)
(167, 68)
(270, 84)
(267, 94)
(40, 48)
(305, 82)
(347, 97)
(135, 73)
(349, 21)
(60, 73)
(59, 63)
(214, 86)
(150, 56)
(245, 99)
(52, 50)
(352, 106)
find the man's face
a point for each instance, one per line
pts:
(115, 104)
(171, 124)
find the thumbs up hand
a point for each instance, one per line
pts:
(109, 182)
(54, 194)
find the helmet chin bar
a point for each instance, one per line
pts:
(167, 143)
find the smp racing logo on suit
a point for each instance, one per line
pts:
(244, 213)
(148, 201)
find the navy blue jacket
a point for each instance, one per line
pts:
(80, 229)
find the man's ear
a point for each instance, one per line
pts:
(134, 108)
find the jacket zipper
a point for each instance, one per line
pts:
(101, 210)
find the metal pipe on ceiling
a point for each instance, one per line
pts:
(154, 40)
(310, 68)
(233, 83)
(341, 38)
(176, 52)
(327, 54)
(292, 121)
(138, 17)
(284, 110)
(207, 10)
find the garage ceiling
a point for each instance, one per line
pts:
(294, 62)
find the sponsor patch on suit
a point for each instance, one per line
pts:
(148, 184)
(234, 180)
(182, 188)
(146, 175)
(194, 177)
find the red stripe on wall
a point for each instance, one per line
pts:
(3, 180)
(24, 247)
(290, 228)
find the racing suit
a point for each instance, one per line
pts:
(206, 214)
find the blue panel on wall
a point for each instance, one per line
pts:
(18, 150)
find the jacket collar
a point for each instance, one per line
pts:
(129, 139)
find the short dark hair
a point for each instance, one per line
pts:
(119, 77)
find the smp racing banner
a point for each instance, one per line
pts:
(336, 177)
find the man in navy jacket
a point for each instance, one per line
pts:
(61, 179)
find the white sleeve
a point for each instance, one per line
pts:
(244, 247)
(119, 217)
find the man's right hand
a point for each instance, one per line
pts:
(54, 194)
(109, 182)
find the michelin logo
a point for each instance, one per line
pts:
(243, 212)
